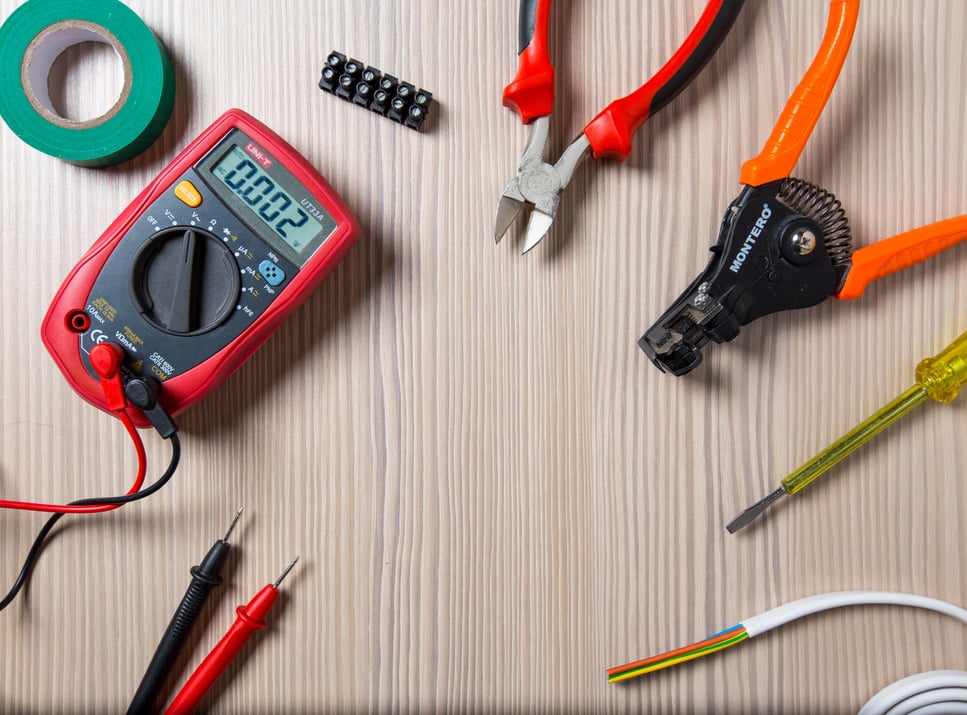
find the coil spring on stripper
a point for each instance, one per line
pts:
(819, 205)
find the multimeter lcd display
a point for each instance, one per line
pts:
(247, 180)
(245, 175)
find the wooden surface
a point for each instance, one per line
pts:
(494, 494)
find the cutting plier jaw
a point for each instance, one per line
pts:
(775, 252)
(538, 185)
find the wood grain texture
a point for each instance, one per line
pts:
(495, 495)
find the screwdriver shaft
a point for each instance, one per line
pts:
(854, 439)
(939, 378)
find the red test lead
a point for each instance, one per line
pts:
(250, 619)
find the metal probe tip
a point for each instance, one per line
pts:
(234, 522)
(754, 511)
(285, 573)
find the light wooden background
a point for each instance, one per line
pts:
(494, 493)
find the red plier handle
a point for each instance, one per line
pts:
(802, 111)
(531, 93)
(610, 132)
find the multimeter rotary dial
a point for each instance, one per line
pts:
(185, 281)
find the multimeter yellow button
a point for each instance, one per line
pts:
(187, 192)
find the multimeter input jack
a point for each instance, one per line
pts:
(78, 321)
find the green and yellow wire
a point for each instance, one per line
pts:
(712, 644)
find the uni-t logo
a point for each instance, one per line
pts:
(260, 156)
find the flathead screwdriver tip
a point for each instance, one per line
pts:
(231, 528)
(285, 573)
(754, 511)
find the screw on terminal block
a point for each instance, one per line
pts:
(389, 83)
(405, 91)
(380, 103)
(336, 60)
(354, 68)
(415, 117)
(330, 73)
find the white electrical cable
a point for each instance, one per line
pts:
(941, 692)
(823, 602)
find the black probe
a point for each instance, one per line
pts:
(204, 577)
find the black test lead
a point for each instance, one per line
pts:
(204, 577)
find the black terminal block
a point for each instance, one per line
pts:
(355, 82)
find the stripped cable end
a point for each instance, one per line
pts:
(712, 644)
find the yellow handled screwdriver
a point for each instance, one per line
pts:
(939, 378)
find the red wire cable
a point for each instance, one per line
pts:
(93, 508)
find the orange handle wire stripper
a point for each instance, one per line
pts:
(785, 243)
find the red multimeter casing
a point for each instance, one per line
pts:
(203, 266)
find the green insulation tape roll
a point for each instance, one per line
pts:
(37, 33)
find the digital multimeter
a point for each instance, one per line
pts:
(203, 266)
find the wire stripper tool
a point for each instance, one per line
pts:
(785, 243)
(539, 182)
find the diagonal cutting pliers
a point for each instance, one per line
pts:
(539, 182)
(785, 243)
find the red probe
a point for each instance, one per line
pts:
(249, 620)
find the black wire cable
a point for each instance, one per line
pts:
(123, 499)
